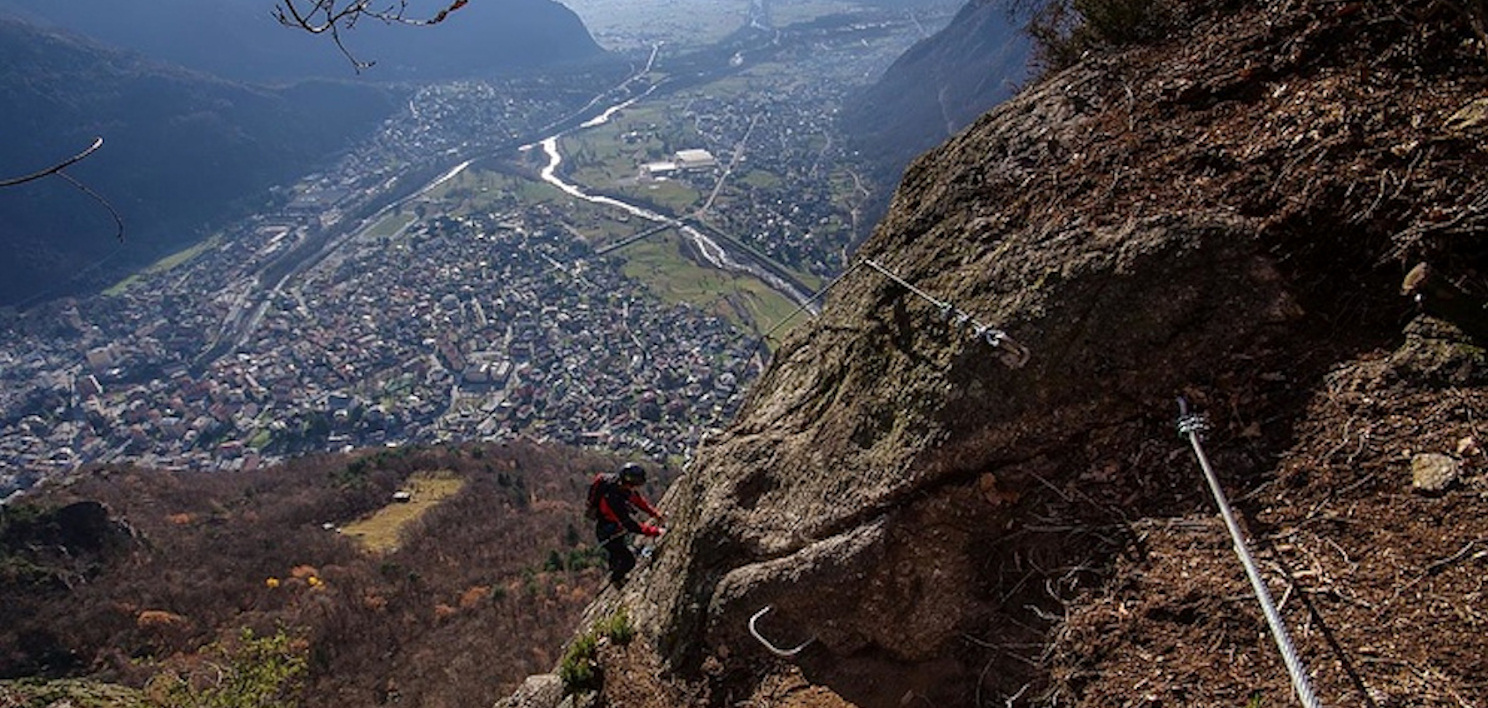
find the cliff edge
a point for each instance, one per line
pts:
(1227, 214)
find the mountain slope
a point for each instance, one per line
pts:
(938, 87)
(1226, 214)
(125, 574)
(240, 39)
(181, 150)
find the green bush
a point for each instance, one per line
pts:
(618, 628)
(33, 692)
(578, 670)
(249, 672)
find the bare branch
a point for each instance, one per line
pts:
(332, 16)
(118, 221)
(97, 143)
(57, 170)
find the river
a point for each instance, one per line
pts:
(720, 252)
(716, 253)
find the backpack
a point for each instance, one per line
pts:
(596, 491)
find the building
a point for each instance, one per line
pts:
(695, 160)
(659, 169)
(682, 161)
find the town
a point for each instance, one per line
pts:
(405, 297)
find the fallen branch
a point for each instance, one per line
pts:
(1438, 566)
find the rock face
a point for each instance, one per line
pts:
(541, 691)
(1223, 215)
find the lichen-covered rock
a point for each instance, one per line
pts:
(539, 691)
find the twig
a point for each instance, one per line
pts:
(1055, 489)
(57, 170)
(1438, 565)
(324, 17)
(118, 220)
(54, 169)
(1008, 702)
(1005, 648)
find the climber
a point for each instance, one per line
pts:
(611, 496)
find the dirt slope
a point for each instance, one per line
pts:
(1225, 215)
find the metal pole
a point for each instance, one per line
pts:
(1192, 425)
(777, 651)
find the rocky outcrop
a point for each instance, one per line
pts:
(540, 691)
(1224, 216)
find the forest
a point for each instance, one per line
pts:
(149, 578)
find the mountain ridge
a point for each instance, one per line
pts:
(936, 88)
(241, 40)
(181, 150)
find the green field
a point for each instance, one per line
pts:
(165, 264)
(379, 532)
(759, 178)
(391, 224)
(745, 301)
(609, 158)
(483, 191)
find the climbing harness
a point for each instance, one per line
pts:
(777, 651)
(1010, 352)
(1193, 425)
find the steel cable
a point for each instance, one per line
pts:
(1191, 425)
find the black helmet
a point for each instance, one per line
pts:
(632, 473)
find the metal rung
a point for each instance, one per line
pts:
(777, 651)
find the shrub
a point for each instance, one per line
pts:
(249, 672)
(618, 628)
(1063, 30)
(578, 670)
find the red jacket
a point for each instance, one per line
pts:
(615, 502)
